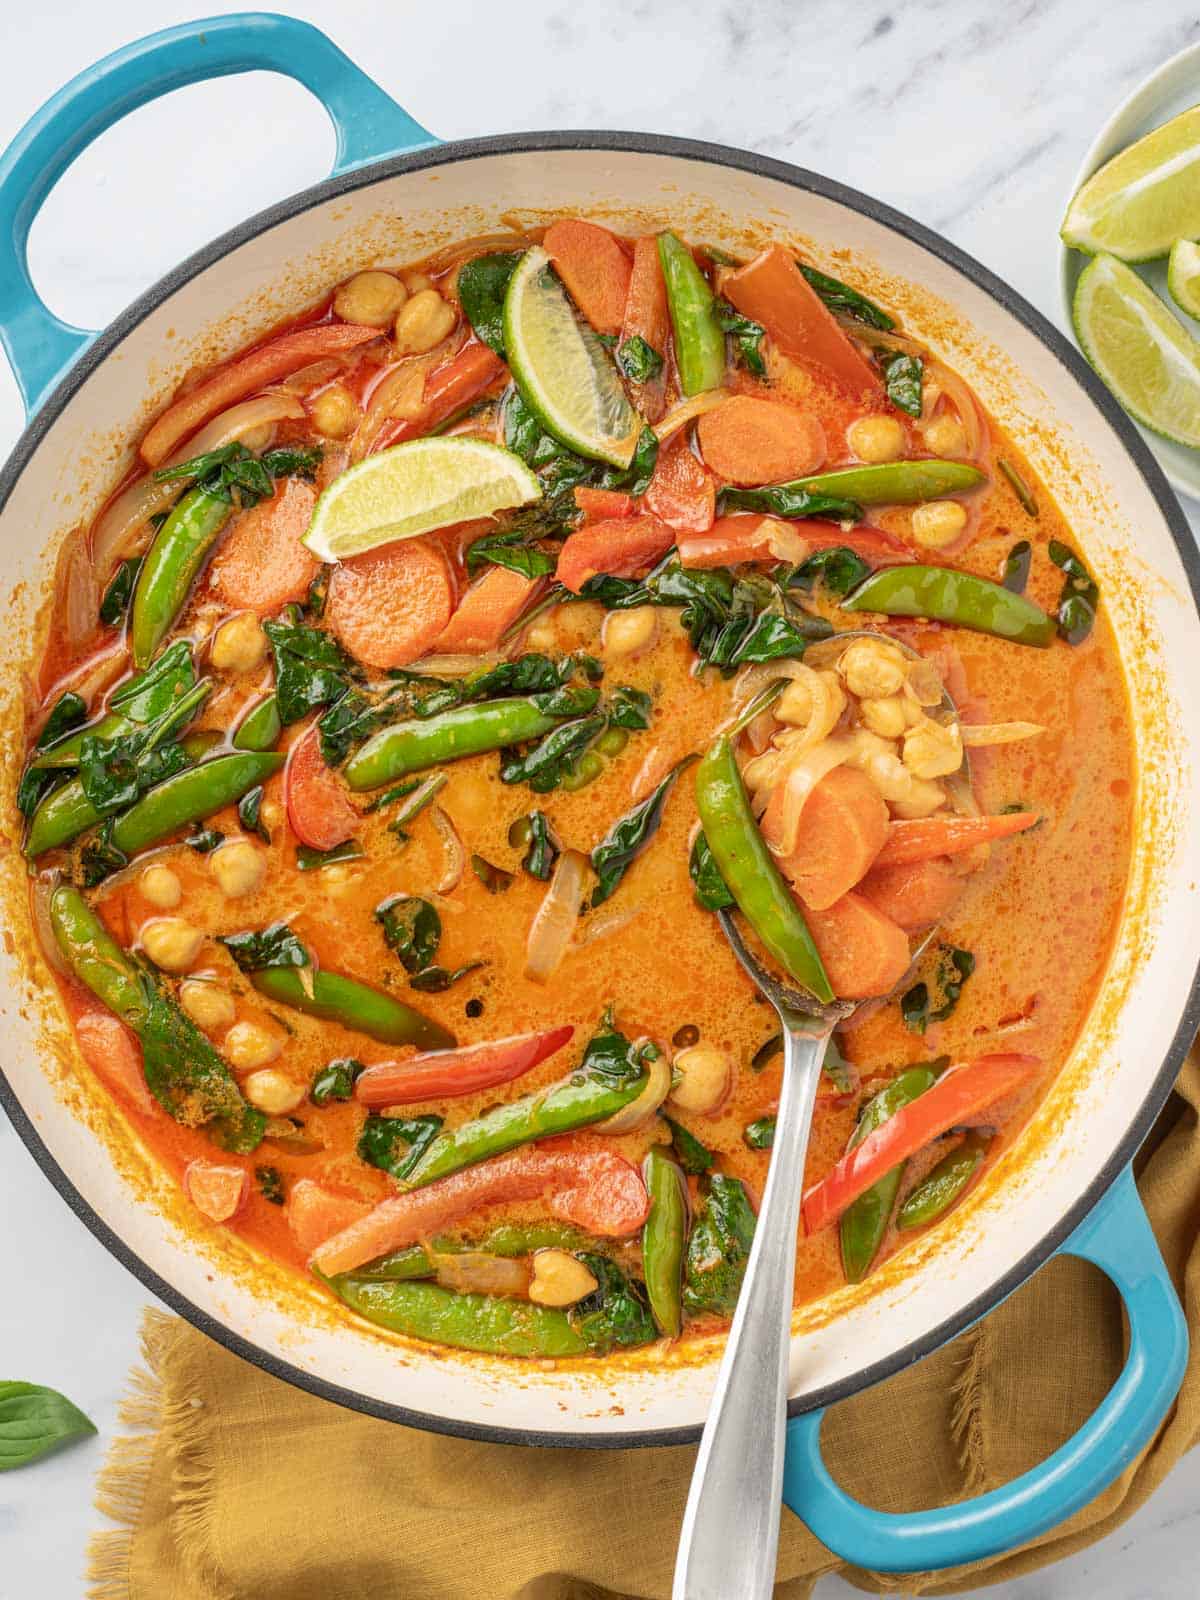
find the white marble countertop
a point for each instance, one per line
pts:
(968, 114)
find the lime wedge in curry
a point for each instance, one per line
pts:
(1146, 358)
(1183, 276)
(562, 368)
(1145, 198)
(414, 488)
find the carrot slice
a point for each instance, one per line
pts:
(771, 291)
(448, 1073)
(447, 389)
(273, 361)
(842, 826)
(681, 491)
(261, 564)
(594, 1188)
(389, 606)
(962, 1093)
(621, 547)
(598, 505)
(490, 605)
(594, 268)
(915, 894)
(219, 1192)
(647, 317)
(115, 1056)
(315, 1214)
(318, 811)
(748, 441)
(919, 838)
(864, 953)
(745, 536)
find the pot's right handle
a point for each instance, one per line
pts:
(368, 123)
(1117, 1238)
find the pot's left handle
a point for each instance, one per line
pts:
(368, 123)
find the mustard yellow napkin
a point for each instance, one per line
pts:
(238, 1487)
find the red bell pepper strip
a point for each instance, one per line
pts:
(594, 1188)
(621, 547)
(961, 1094)
(243, 377)
(318, 811)
(447, 389)
(599, 505)
(218, 1192)
(923, 838)
(745, 536)
(682, 491)
(647, 317)
(444, 1074)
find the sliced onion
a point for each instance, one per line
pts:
(826, 702)
(113, 537)
(464, 249)
(658, 1087)
(476, 1272)
(455, 666)
(455, 855)
(963, 401)
(314, 375)
(799, 783)
(398, 392)
(687, 411)
(979, 735)
(605, 927)
(784, 541)
(551, 930)
(44, 886)
(79, 592)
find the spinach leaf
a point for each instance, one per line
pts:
(318, 593)
(840, 297)
(412, 930)
(415, 802)
(559, 468)
(839, 569)
(635, 478)
(760, 1134)
(709, 886)
(335, 1080)
(616, 1313)
(120, 589)
(718, 1247)
(1020, 488)
(902, 375)
(1016, 567)
(544, 766)
(629, 836)
(629, 708)
(149, 694)
(616, 594)
(771, 637)
(35, 1420)
(1080, 597)
(790, 500)
(436, 980)
(747, 336)
(270, 1184)
(68, 712)
(99, 858)
(231, 466)
(396, 1144)
(310, 860)
(311, 669)
(528, 674)
(249, 812)
(934, 1000)
(482, 285)
(354, 717)
(543, 850)
(114, 772)
(190, 1080)
(494, 879)
(613, 1057)
(639, 361)
(694, 1157)
(273, 946)
(204, 840)
(510, 549)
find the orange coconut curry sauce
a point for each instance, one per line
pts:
(449, 659)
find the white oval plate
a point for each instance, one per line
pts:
(1164, 94)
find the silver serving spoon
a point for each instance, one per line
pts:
(730, 1534)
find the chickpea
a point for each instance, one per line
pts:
(923, 799)
(370, 298)
(626, 632)
(873, 668)
(705, 1075)
(795, 704)
(423, 322)
(559, 1279)
(161, 887)
(944, 435)
(209, 1006)
(887, 717)
(933, 749)
(938, 523)
(414, 282)
(876, 439)
(248, 1045)
(239, 645)
(542, 636)
(271, 813)
(171, 943)
(335, 412)
(272, 1092)
(239, 868)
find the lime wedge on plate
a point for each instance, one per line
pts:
(414, 488)
(1183, 276)
(1146, 358)
(1145, 198)
(562, 368)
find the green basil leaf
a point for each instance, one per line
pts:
(273, 946)
(412, 930)
(482, 285)
(35, 1420)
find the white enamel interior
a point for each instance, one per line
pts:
(1119, 524)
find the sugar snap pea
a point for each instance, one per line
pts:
(699, 341)
(505, 1239)
(864, 1223)
(934, 1196)
(465, 731)
(663, 1239)
(260, 728)
(146, 697)
(170, 567)
(189, 796)
(960, 598)
(895, 482)
(749, 869)
(490, 1323)
(354, 1005)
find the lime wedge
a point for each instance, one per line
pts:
(1145, 357)
(1183, 276)
(1145, 198)
(563, 370)
(413, 488)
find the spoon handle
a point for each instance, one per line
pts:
(730, 1532)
